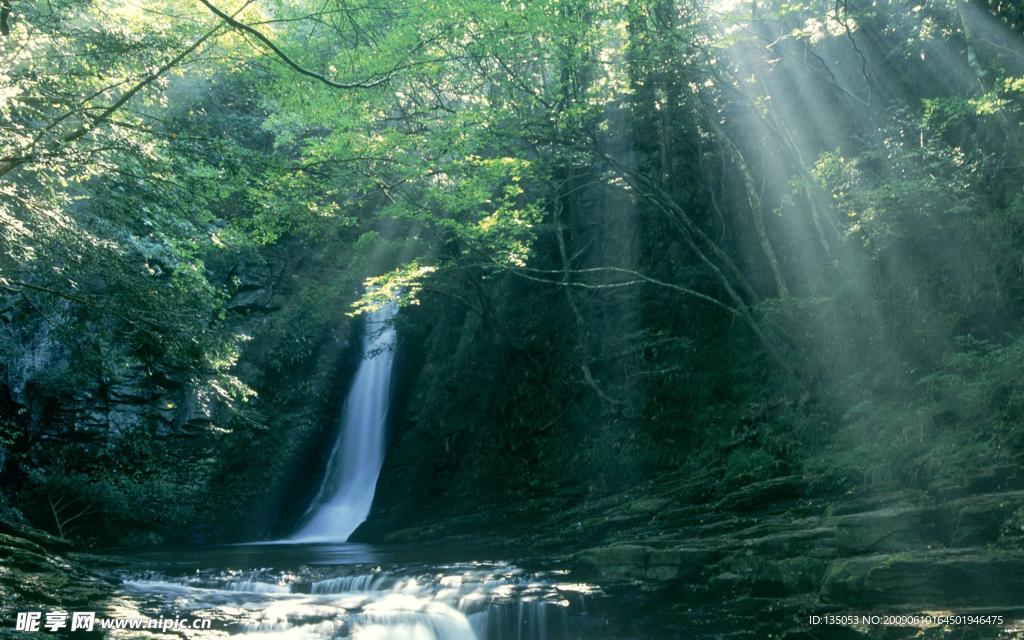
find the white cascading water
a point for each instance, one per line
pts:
(344, 498)
(477, 601)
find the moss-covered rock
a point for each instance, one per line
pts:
(764, 493)
(35, 571)
(939, 578)
(979, 520)
(634, 562)
(890, 529)
(40, 539)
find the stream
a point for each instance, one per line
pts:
(361, 592)
(342, 590)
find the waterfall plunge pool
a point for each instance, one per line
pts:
(349, 591)
(341, 590)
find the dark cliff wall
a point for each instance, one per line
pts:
(150, 450)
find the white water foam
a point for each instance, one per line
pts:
(445, 603)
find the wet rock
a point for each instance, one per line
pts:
(648, 505)
(91, 422)
(801, 574)
(20, 558)
(943, 578)
(39, 538)
(994, 479)
(726, 580)
(32, 574)
(126, 419)
(252, 283)
(255, 301)
(694, 562)
(250, 273)
(760, 494)
(892, 529)
(38, 352)
(200, 409)
(662, 565)
(167, 377)
(757, 575)
(808, 540)
(621, 562)
(128, 394)
(8, 541)
(774, 577)
(979, 520)
(874, 501)
(634, 562)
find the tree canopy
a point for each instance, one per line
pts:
(829, 189)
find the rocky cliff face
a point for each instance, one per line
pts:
(109, 437)
(160, 396)
(476, 420)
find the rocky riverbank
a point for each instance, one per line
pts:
(757, 562)
(42, 572)
(785, 545)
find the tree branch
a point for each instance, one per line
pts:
(241, 26)
(13, 163)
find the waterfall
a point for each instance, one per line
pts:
(345, 495)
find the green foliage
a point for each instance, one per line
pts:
(962, 417)
(980, 389)
(571, 191)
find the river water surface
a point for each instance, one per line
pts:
(342, 590)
